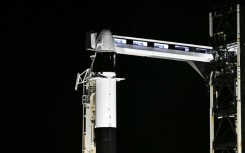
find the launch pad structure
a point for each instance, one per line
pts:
(222, 65)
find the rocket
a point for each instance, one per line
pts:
(99, 96)
(105, 68)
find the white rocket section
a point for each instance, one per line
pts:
(106, 102)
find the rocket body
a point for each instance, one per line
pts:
(105, 102)
(105, 66)
(105, 127)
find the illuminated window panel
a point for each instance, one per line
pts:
(140, 43)
(162, 46)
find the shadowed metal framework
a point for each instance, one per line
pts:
(226, 105)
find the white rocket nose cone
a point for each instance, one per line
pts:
(105, 42)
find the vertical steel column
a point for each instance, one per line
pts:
(225, 103)
(211, 116)
(239, 114)
(88, 101)
(210, 25)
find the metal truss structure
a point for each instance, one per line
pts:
(226, 106)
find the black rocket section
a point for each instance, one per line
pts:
(105, 62)
(106, 140)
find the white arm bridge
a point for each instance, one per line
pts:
(107, 42)
(162, 49)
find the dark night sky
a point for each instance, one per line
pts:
(163, 106)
